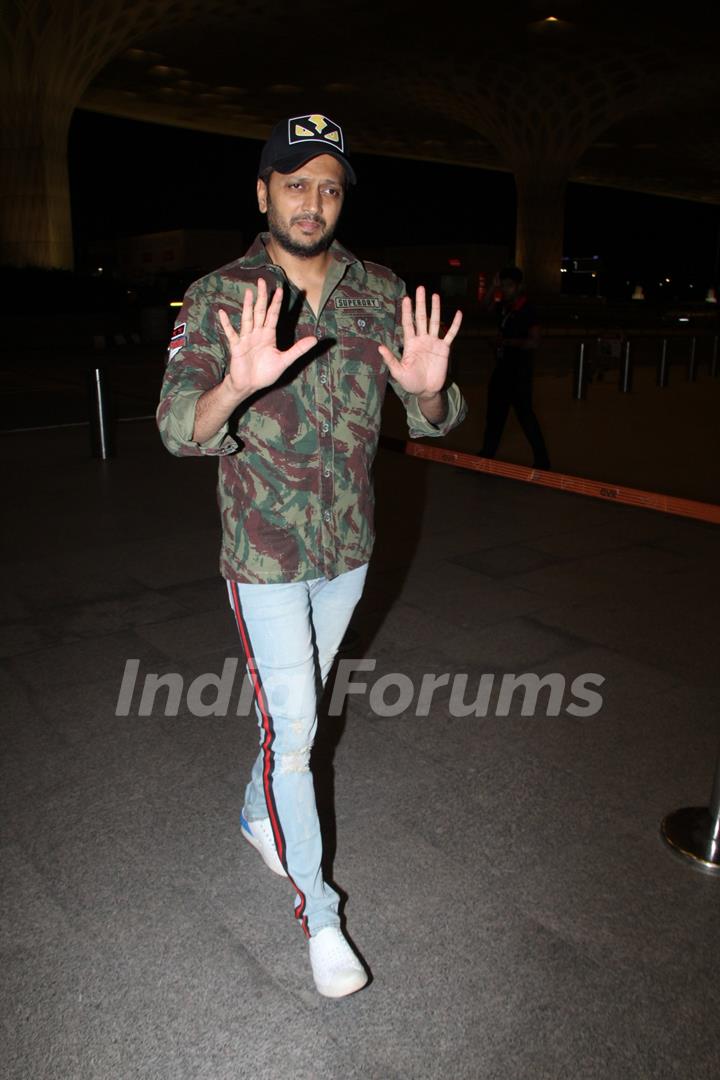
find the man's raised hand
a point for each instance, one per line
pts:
(255, 360)
(422, 370)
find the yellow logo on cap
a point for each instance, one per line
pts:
(317, 127)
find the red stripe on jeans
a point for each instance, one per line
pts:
(268, 740)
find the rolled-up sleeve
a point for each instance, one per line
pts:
(176, 421)
(196, 363)
(419, 425)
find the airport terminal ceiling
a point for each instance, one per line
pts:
(625, 95)
(622, 95)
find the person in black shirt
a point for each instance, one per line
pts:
(511, 382)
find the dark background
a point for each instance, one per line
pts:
(129, 177)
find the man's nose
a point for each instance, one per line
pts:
(313, 199)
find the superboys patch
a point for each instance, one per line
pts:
(315, 128)
(363, 302)
(178, 340)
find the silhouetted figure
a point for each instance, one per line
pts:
(511, 383)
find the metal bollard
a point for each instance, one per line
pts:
(692, 366)
(694, 831)
(579, 381)
(100, 434)
(714, 361)
(662, 370)
(625, 385)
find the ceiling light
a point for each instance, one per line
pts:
(551, 23)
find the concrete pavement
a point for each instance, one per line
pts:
(506, 883)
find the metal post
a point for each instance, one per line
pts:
(100, 434)
(579, 387)
(692, 367)
(662, 371)
(714, 808)
(626, 372)
(714, 361)
(694, 831)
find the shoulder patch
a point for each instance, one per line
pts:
(177, 340)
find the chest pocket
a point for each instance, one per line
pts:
(363, 374)
(359, 334)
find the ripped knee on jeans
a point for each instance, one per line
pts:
(298, 761)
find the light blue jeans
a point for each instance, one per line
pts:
(290, 634)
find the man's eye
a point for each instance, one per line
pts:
(332, 191)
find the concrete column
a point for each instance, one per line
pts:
(540, 104)
(35, 221)
(50, 51)
(540, 226)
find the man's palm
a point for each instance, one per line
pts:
(423, 367)
(255, 360)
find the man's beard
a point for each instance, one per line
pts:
(282, 236)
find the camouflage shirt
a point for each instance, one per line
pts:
(294, 488)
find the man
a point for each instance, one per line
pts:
(278, 364)
(511, 381)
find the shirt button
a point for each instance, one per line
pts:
(325, 427)
(326, 472)
(327, 515)
(323, 378)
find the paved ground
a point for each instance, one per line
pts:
(507, 885)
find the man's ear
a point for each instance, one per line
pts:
(262, 196)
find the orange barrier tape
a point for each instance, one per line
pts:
(649, 500)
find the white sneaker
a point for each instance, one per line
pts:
(260, 835)
(335, 967)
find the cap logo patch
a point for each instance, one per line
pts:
(316, 128)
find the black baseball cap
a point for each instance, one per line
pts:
(301, 138)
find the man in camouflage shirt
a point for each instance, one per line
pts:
(278, 365)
